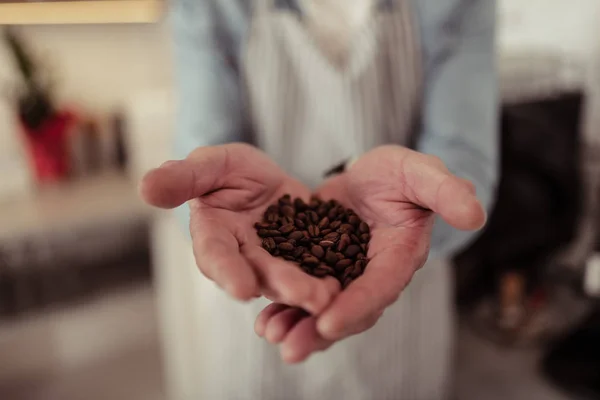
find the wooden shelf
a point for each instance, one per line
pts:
(81, 12)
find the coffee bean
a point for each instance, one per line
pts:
(346, 228)
(365, 237)
(287, 229)
(318, 252)
(340, 256)
(269, 244)
(287, 220)
(300, 224)
(286, 246)
(352, 251)
(331, 258)
(355, 239)
(273, 209)
(325, 232)
(319, 273)
(285, 200)
(261, 225)
(300, 204)
(273, 233)
(364, 228)
(332, 214)
(311, 261)
(333, 236)
(335, 225)
(263, 233)
(324, 223)
(344, 242)
(346, 283)
(343, 264)
(354, 221)
(361, 256)
(301, 216)
(365, 247)
(348, 272)
(298, 251)
(289, 258)
(314, 203)
(287, 211)
(313, 231)
(322, 271)
(360, 265)
(296, 235)
(322, 211)
(280, 239)
(313, 216)
(326, 243)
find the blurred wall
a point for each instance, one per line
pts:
(99, 66)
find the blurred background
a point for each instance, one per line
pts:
(96, 297)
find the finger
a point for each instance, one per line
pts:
(176, 182)
(432, 186)
(302, 341)
(359, 307)
(218, 257)
(282, 323)
(260, 325)
(284, 282)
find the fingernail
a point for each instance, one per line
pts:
(288, 355)
(330, 329)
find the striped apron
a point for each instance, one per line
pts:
(310, 111)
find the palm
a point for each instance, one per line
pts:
(394, 190)
(228, 189)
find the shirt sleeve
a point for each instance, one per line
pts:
(206, 40)
(207, 82)
(460, 116)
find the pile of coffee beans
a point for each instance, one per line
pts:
(323, 237)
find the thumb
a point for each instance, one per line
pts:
(435, 188)
(176, 182)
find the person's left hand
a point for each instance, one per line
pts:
(398, 192)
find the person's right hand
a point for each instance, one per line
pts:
(228, 188)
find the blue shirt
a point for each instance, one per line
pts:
(459, 110)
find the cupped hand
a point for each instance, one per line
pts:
(228, 189)
(398, 192)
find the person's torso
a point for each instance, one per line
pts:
(324, 85)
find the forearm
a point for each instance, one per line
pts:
(460, 121)
(210, 109)
(210, 112)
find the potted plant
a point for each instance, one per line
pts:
(44, 126)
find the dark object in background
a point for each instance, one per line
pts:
(34, 99)
(538, 199)
(90, 133)
(119, 128)
(324, 237)
(52, 269)
(573, 363)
